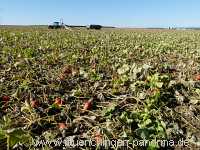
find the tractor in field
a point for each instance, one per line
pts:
(61, 25)
(57, 25)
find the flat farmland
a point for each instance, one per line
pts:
(112, 84)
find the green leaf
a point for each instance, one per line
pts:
(152, 147)
(129, 121)
(109, 110)
(147, 122)
(124, 135)
(2, 134)
(54, 106)
(123, 116)
(143, 133)
(159, 84)
(17, 135)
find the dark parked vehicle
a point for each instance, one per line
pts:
(93, 26)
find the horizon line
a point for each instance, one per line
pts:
(163, 27)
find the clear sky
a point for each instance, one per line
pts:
(131, 13)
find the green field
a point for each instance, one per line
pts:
(122, 84)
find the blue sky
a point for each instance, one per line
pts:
(131, 13)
